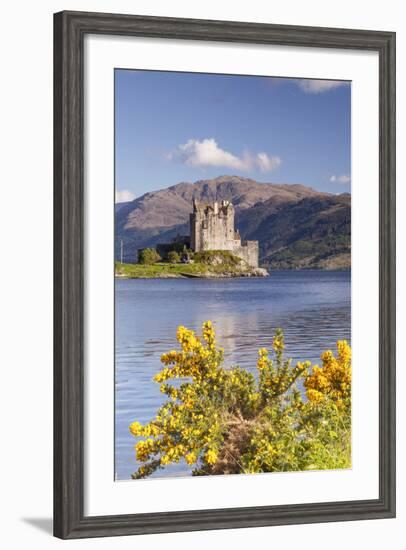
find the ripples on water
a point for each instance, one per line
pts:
(313, 309)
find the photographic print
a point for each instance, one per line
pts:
(232, 274)
(224, 245)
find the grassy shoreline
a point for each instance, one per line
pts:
(164, 270)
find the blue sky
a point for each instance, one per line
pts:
(173, 127)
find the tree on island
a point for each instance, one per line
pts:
(148, 256)
(173, 257)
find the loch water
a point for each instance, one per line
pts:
(312, 307)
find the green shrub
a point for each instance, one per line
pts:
(148, 256)
(213, 257)
(173, 257)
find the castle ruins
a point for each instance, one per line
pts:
(212, 228)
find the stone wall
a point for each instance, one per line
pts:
(247, 251)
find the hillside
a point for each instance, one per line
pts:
(314, 232)
(296, 226)
(120, 205)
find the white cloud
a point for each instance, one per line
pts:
(266, 163)
(124, 195)
(207, 154)
(310, 86)
(340, 179)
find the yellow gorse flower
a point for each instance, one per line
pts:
(210, 457)
(333, 379)
(226, 420)
(278, 344)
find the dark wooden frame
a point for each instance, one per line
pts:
(69, 31)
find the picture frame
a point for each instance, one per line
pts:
(70, 28)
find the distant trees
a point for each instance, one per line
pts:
(148, 256)
(173, 257)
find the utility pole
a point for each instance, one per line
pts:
(121, 251)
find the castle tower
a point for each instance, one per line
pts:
(212, 228)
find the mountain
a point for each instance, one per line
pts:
(314, 232)
(296, 226)
(119, 205)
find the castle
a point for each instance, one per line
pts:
(212, 228)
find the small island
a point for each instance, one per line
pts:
(214, 249)
(210, 264)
